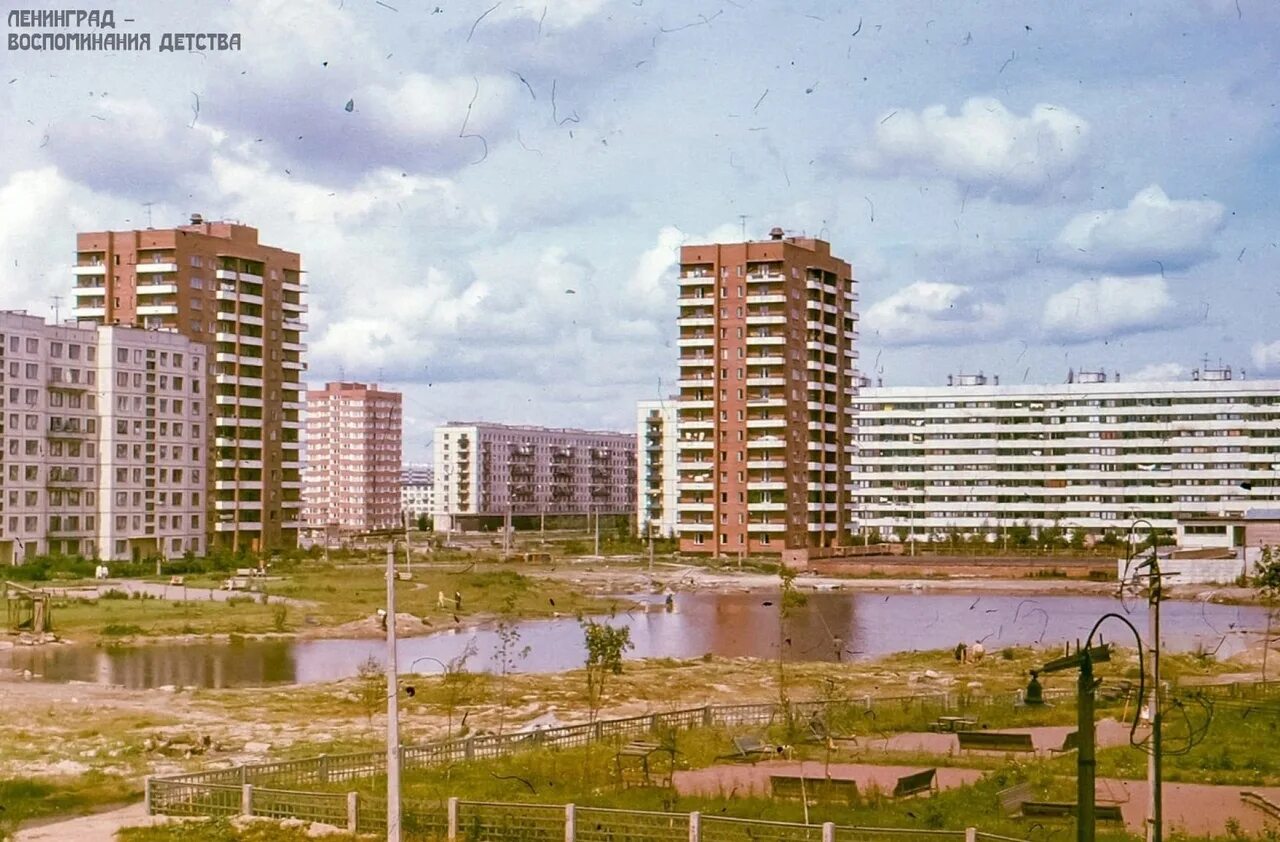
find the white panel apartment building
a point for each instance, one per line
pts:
(1093, 454)
(656, 477)
(485, 471)
(103, 443)
(417, 491)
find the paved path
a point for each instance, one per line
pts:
(165, 591)
(1109, 732)
(99, 827)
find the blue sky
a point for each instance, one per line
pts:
(1021, 188)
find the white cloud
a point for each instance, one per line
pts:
(986, 149)
(1159, 373)
(1152, 229)
(1266, 357)
(929, 313)
(1109, 307)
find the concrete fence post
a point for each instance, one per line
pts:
(570, 823)
(970, 834)
(707, 714)
(246, 800)
(469, 748)
(322, 769)
(146, 795)
(353, 812)
(452, 809)
(867, 701)
(828, 832)
(598, 731)
(695, 826)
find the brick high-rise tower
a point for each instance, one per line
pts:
(216, 284)
(767, 390)
(352, 483)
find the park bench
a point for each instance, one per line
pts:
(634, 766)
(915, 783)
(820, 733)
(994, 741)
(1071, 742)
(1065, 809)
(750, 748)
(952, 724)
(813, 789)
(177, 580)
(1260, 802)
(1016, 801)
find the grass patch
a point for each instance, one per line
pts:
(25, 799)
(221, 830)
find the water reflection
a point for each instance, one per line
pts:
(830, 626)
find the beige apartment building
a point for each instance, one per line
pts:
(214, 283)
(767, 390)
(103, 446)
(352, 479)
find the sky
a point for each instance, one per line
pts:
(489, 197)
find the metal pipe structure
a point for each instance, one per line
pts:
(393, 705)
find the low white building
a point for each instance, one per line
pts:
(1093, 454)
(656, 476)
(103, 446)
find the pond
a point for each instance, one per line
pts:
(831, 625)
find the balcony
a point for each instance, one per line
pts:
(767, 339)
(158, 310)
(89, 312)
(149, 268)
(91, 269)
(697, 362)
(89, 291)
(766, 423)
(696, 342)
(766, 527)
(157, 289)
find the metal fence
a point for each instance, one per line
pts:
(272, 789)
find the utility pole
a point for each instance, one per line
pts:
(1155, 803)
(57, 308)
(597, 511)
(1086, 760)
(393, 705)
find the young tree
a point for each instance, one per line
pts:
(457, 684)
(790, 600)
(1267, 581)
(371, 690)
(605, 645)
(507, 656)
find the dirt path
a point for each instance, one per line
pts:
(99, 827)
(159, 590)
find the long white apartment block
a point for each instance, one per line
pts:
(103, 442)
(1094, 454)
(484, 471)
(657, 491)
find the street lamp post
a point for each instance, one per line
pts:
(1086, 762)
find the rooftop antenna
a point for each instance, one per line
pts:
(742, 217)
(148, 205)
(57, 308)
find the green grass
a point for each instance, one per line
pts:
(220, 831)
(26, 799)
(335, 595)
(1235, 748)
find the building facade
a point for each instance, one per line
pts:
(216, 284)
(656, 451)
(767, 390)
(103, 448)
(417, 491)
(1094, 454)
(352, 480)
(483, 472)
